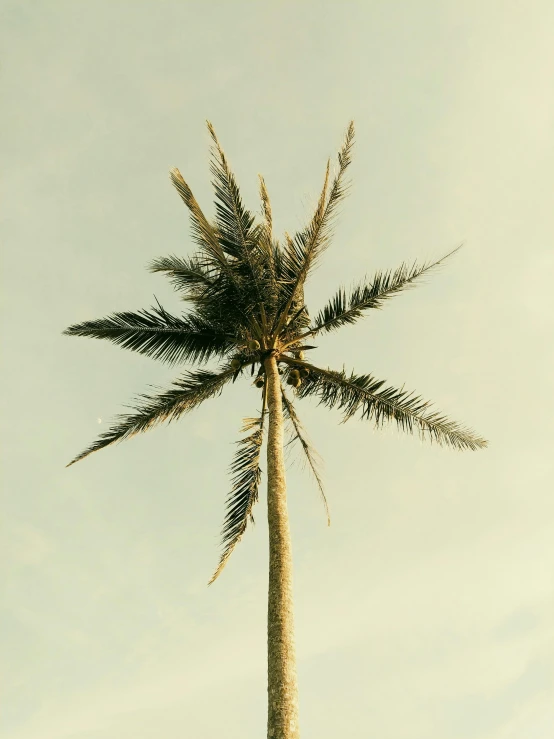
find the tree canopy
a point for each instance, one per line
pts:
(244, 291)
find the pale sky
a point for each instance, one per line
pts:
(426, 610)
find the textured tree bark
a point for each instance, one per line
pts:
(282, 688)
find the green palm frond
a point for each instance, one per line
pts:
(218, 300)
(343, 309)
(192, 276)
(304, 250)
(363, 393)
(202, 232)
(270, 253)
(159, 335)
(247, 474)
(312, 457)
(237, 234)
(187, 393)
(294, 262)
(266, 208)
(233, 220)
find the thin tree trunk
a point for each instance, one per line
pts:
(282, 688)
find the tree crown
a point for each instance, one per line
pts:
(245, 292)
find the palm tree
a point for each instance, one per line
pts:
(246, 296)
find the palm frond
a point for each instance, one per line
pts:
(203, 233)
(247, 474)
(294, 262)
(268, 247)
(312, 457)
(187, 393)
(343, 309)
(266, 208)
(159, 335)
(236, 231)
(363, 393)
(192, 276)
(234, 221)
(304, 250)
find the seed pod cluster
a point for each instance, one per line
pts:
(294, 378)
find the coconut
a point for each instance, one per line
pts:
(297, 382)
(290, 380)
(253, 345)
(236, 364)
(294, 374)
(304, 372)
(259, 381)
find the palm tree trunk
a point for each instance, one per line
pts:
(282, 688)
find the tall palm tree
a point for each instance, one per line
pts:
(246, 309)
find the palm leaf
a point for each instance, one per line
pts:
(363, 393)
(343, 309)
(236, 234)
(304, 250)
(266, 208)
(233, 220)
(203, 233)
(294, 263)
(191, 276)
(269, 250)
(188, 393)
(312, 457)
(159, 335)
(246, 476)
(209, 240)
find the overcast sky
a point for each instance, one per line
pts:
(426, 610)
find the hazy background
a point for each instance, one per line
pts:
(426, 611)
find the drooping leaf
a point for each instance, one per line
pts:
(246, 476)
(312, 457)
